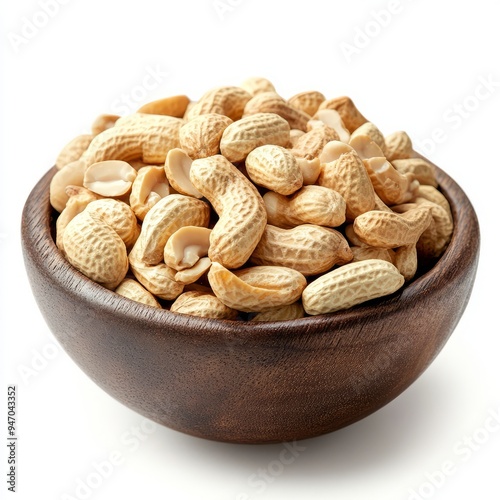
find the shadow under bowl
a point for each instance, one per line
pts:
(251, 382)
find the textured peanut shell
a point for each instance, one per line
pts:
(348, 176)
(307, 248)
(311, 144)
(133, 290)
(227, 101)
(73, 150)
(256, 289)
(398, 146)
(136, 136)
(350, 285)
(202, 304)
(392, 230)
(423, 171)
(274, 168)
(243, 136)
(242, 215)
(308, 102)
(169, 214)
(95, 249)
(350, 115)
(200, 137)
(270, 102)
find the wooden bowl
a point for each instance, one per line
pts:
(251, 382)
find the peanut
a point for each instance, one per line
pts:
(310, 205)
(347, 175)
(333, 120)
(307, 248)
(271, 102)
(186, 246)
(311, 144)
(241, 210)
(204, 305)
(398, 146)
(307, 102)
(172, 106)
(133, 290)
(102, 123)
(200, 137)
(95, 249)
(351, 117)
(243, 136)
(73, 150)
(148, 188)
(274, 168)
(109, 178)
(351, 285)
(167, 216)
(256, 289)
(177, 168)
(421, 169)
(256, 85)
(371, 131)
(227, 101)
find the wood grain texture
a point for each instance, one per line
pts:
(251, 382)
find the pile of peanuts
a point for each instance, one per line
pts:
(244, 205)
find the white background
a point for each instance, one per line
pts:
(417, 68)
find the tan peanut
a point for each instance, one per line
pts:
(203, 305)
(256, 85)
(243, 136)
(432, 194)
(333, 120)
(136, 136)
(351, 117)
(186, 246)
(70, 175)
(109, 178)
(133, 290)
(310, 169)
(158, 279)
(227, 101)
(190, 275)
(78, 199)
(167, 216)
(424, 172)
(307, 102)
(392, 230)
(310, 205)
(148, 188)
(73, 150)
(274, 168)
(406, 261)
(177, 168)
(311, 144)
(295, 134)
(171, 106)
(271, 102)
(256, 289)
(365, 147)
(348, 176)
(365, 252)
(283, 313)
(95, 249)
(119, 216)
(398, 146)
(200, 137)
(436, 237)
(350, 285)
(390, 185)
(307, 248)
(241, 210)
(371, 131)
(102, 123)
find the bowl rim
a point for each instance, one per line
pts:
(465, 220)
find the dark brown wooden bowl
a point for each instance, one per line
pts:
(251, 382)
